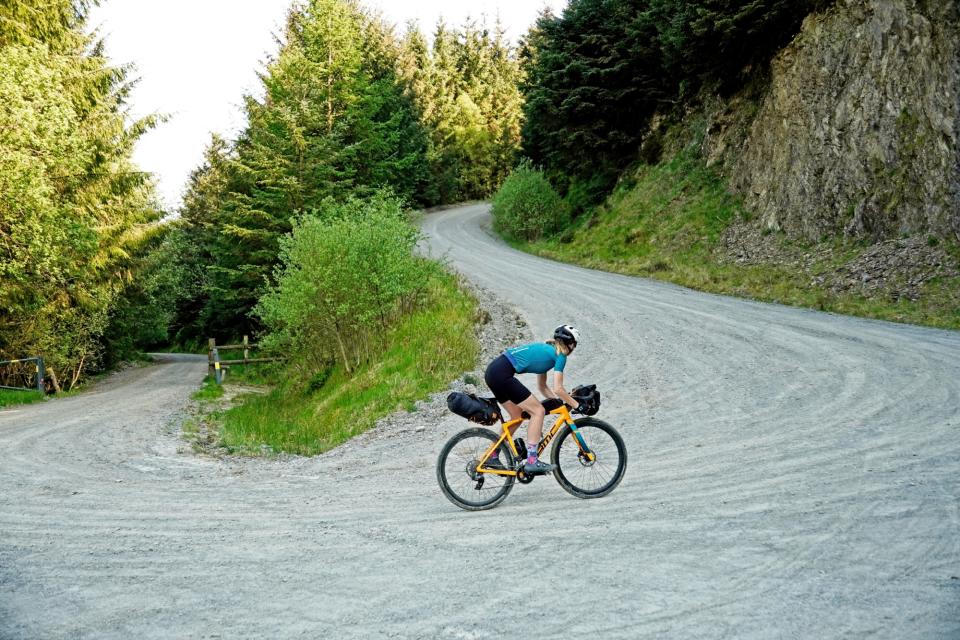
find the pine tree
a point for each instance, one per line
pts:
(335, 122)
(71, 201)
(595, 75)
(468, 99)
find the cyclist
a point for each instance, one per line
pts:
(536, 357)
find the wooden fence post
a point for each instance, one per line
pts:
(246, 352)
(211, 345)
(218, 371)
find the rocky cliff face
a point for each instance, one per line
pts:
(858, 130)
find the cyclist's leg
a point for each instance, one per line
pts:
(500, 377)
(513, 409)
(535, 428)
(533, 464)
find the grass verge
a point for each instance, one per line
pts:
(668, 225)
(209, 391)
(428, 348)
(11, 397)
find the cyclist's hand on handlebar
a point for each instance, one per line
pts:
(585, 408)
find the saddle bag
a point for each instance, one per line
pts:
(484, 411)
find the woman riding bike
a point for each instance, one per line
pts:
(536, 357)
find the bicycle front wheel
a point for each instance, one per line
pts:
(585, 476)
(458, 476)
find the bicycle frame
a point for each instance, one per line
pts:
(507, 435)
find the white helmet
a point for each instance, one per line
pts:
(567, 334)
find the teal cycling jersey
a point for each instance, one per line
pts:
(537, 357)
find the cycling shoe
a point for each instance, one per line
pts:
(538, 468)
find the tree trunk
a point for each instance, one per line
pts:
(76, 374)
(53, 380)
(343, 350)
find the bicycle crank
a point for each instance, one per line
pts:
(523, 477)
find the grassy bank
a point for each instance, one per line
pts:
(10, 397)
(669, 224)
(425, 351)
(209, 391)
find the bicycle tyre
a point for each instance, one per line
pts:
(453, 470)
(572, 472)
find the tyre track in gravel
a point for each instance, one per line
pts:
(792, 474)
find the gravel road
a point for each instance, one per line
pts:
(793, 474)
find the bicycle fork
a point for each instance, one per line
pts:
(585, 453)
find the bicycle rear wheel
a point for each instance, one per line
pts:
(458, 477)
(581, 476)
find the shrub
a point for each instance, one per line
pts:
(527, 207)
(347, 273)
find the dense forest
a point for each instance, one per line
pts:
(595, 76)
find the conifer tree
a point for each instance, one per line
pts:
(593, 77)
(596, 74)
(334, 122)
(71, 201)
(468, 99)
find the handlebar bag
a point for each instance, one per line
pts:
(588, 397)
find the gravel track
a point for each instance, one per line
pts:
(792, 474)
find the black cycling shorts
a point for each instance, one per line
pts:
(500, 377)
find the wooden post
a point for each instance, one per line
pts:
(40, 375)
(53, 380)
(211, 345)
(218, 372)
(246, 353)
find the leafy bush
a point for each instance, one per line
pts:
(347, 274)
(423, 351)
(527, 207)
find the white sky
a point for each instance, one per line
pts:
(195, 59)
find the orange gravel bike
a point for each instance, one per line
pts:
(588, 453)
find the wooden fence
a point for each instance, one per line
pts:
(216, 367)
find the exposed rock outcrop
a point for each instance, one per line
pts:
(858, 131)
(892, 269)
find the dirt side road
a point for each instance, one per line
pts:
(792, 474)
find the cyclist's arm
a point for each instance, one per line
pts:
(560, 392)
(544, 389)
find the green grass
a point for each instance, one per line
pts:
(668, 223)
(10, 397)
(426, 350)
(263, 373)
(209, 391)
